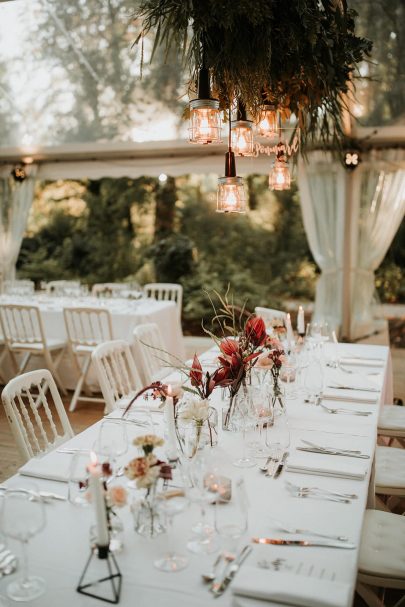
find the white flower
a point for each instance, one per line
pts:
(195, 410)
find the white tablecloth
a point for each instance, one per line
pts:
(60, 551)
(126, 315)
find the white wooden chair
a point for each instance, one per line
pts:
(104, 288)
(268, 315)
(86, 328)
(116, 372)
(389, 471)
(381, 556)
(24, 334)
(391, 423)
(29, 412)
(63, 287)
(150, 351)
(166, 291)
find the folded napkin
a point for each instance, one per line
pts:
(53, 467)
(290, 589)
(337, 469)
(362, 362)
(348, 396)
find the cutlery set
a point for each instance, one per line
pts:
(346, 411)
(314, 448)
(319, 493)
(274, 466)
(222, 579)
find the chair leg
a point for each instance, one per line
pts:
(76, 363)
(368, 595)
(52, 367)
(80, 383)
(24, 363)
(13, 361)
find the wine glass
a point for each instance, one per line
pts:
(278, 437)
(288, 375)
(201, 488)
(261, 400)
(22, 517)
(171, 561)
(243, 418)
(231, 517)
(313, 381)
(78, 478)
(112, 441)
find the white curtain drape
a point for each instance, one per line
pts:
(321, 183)
(382, 208)
(15, 202)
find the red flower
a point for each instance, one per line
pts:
(255, 331)
(229, 347)
(196, 372)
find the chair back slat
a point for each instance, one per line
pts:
(116, 371)
(166, 291)
(21, 324)
(150, 348)
(37, 423)
(87, 326)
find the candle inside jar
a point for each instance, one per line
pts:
(221, 485)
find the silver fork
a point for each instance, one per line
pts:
(287, 529)
(346, 411)
(320, 496)
(350, 496)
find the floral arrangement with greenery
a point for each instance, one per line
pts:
(299, 55)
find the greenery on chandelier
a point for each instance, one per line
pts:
(302, 53)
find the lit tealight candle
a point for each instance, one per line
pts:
(97, 494)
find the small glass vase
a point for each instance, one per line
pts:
(277, 399)
(241, 399)
(190, 437)
(116, 529)
(147, 517)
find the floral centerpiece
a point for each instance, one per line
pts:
(146, 470)
(241, 342)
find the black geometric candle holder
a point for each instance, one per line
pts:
(111, 583)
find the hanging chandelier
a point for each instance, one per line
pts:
(231, 195)
(242, 133)
(280, 176)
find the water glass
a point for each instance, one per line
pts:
(231, 517)
(79, 478)
(313, 381)
(112, 441)
(278, 436)
(21, 518)
(171, 561)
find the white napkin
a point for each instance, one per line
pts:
(290, 589)
(53, 467)
(362, 362)
(369, 398)
(331, 468)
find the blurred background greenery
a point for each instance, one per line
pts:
(145, 230)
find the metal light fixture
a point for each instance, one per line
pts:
(280, 176)
(242, 133)
(205, 117)
(231, 195)
(268, 123)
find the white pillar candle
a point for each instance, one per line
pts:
(288, 326)
(98, 499)
(171, 446)
(300, 321)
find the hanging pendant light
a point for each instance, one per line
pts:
(231, 195)
(205, 117)
(280, 176)
(268, 124)
(242, 133)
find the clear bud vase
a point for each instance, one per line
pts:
(147, 518)
(240, 401)
(209, 434)
(277, 399)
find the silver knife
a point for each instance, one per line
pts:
(318, 543)
(281, 465)
(315, 446)
(333, 452)
(353, 388)
(232, 571)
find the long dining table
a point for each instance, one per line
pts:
(126, 314)
(59, 552)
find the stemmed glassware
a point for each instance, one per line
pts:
(22, 516)
(288, 376)
(243, 419)
(313, 381)
(278, 436)
(112, 441)
(261, 400)
(171, 561)
(78, 478)
(231, 517)
(201, 489)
